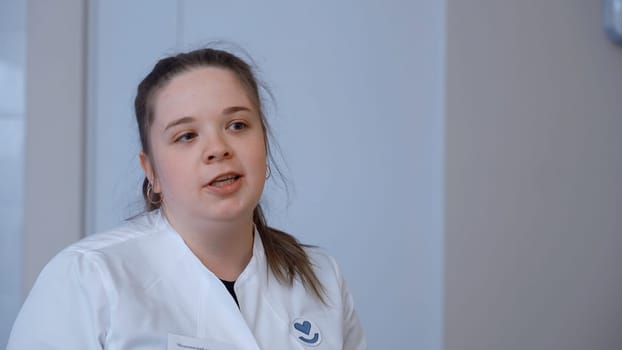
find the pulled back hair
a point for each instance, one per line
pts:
(285, 255)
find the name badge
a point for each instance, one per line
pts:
(180, 342)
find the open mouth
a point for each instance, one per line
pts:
(224, 180)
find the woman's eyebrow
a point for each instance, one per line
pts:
(234, 109)
(183, 120)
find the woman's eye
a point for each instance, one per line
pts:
(185, 137)
(237, 126)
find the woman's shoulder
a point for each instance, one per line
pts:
(137, 228)
(70, 300)
(338, 294)
(320, 258)
(326, 268)
(128, 247)
(146, 230)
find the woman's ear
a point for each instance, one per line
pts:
(145, 163)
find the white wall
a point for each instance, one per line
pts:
(125, 40)
(53, 180)
(12, 68)
(359, 120)
(533, 177)
(41, 140)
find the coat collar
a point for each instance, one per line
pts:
(256, 267)
(214, 301)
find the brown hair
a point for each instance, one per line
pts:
(285, 254)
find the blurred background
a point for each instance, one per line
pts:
(462, 160)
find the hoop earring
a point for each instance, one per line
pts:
(150, 195)
(268, 172)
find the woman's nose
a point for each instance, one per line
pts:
(216, 149)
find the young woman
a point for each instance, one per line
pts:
(200, 269)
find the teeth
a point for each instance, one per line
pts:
(224, 180)
(225, 177)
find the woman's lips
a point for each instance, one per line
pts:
(224, 180)
(225, 184)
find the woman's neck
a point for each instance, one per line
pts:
(224, 247)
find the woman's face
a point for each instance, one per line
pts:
(208, 154)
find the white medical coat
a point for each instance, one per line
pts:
(140, 287)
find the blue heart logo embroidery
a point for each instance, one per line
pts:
(307, 332)
(304, 327)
